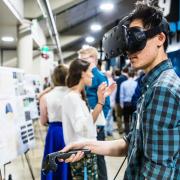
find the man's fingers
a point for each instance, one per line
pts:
(73, 157)
(60, 160)
(78, 156)
(70, 159)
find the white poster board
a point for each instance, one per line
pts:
(16, 129)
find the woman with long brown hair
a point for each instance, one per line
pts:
(78, 121)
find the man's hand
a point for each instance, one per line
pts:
(74, 157)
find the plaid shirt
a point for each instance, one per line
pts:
(154, 139)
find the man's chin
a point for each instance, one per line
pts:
(136, 66)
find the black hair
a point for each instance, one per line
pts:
(150, 15)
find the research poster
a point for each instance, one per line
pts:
(17, 109)
(33, 88)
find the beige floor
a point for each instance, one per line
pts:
(19, 168)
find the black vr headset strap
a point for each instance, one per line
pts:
(154, 31)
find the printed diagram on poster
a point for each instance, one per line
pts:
(33, 87)
(17, 109)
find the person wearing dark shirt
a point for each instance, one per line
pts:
(118, 109)
(126, 92)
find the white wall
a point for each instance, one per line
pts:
(9, 58)
(38, 34)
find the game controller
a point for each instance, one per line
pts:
(50, 162)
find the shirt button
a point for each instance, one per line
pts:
(147, 86)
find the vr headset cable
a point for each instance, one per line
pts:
(120, 168)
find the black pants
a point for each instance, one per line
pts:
(101, 164)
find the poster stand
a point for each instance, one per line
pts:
(4, 172)
(29, 164)
(10, 176)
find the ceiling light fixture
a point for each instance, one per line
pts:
(107, 7)
(96, 27)
(7, 39)
(90, 39)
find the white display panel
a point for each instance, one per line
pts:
(17, 109)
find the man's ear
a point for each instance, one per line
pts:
(161, 39)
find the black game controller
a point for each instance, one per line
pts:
(49, 164)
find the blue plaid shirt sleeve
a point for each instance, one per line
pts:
(161, 131)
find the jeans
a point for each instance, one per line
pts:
(109, 122)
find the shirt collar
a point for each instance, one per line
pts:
(152, 75)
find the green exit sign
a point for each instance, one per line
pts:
(45, 49)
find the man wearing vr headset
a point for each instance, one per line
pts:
(153, 144)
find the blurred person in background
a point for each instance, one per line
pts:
(90, 54)
(126, 92)
(110, 118)
(118, 109)
(78, 121)
(46, 83)
(51, 115)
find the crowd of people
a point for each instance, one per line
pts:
(79, 111)
(75, 109)
(80, 106)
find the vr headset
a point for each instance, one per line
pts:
(122, 39)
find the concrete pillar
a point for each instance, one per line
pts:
(25, 47)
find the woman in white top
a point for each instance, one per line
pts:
(51, 114)
(78, 121)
